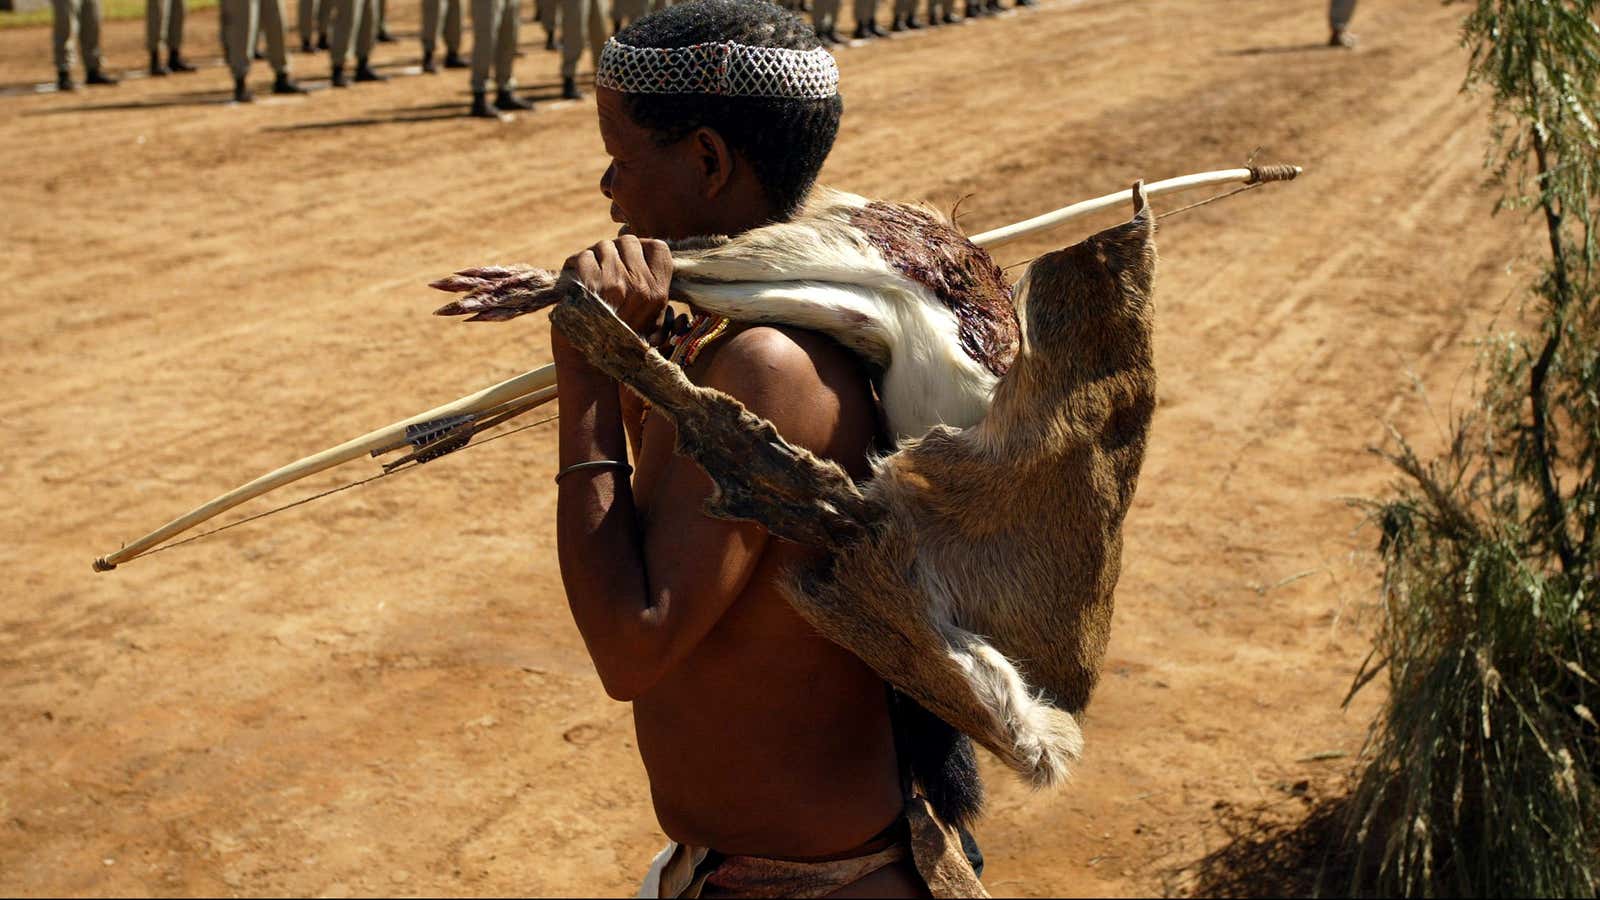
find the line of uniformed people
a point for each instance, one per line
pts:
(348, 30)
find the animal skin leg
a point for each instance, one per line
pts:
(757, 475)
(951, 672)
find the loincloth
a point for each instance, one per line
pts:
(934, 848)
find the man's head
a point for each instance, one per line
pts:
(696, 161)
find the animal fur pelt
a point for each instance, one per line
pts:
(975, 569)
(897, 284)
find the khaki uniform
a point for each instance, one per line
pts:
(163, 26)
(629, 11)
(548, 12)
(582, 22)
(1339, 13)
(451, 25)
(355, 30)
(76, 20)
(314, 11)
(494, 40)
(242, 21)
(825, 15)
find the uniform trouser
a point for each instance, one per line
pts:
(825, 14)
(659, 5)
(629, 11)
(582, 21)
(937, 9)
(905, 9)
(548, 11)
(865, 10)
(163, 22)
(314, 18)
(243, 19)
(1339, 13)
(77, 20)
(355, 30)
(494, 40)
(451, 23)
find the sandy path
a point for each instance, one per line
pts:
(382, 691)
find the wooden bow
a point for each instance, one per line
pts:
(445, 428)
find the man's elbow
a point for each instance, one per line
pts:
(627, 681)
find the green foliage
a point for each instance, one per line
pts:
(1482, 777)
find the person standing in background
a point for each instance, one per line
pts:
(78, 20)
(384, 37)
(494, 41)
(242, 21)
(626, 12)
(1339, 13)
(318, 12)
(582, 22)
(163, 31)
(549, 14)
(905, 16)
(825, 21)
(354, 32)
(451, 26)
(867, 20)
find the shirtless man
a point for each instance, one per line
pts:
(762, 740)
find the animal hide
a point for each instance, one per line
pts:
(894, 283)
(975, 569)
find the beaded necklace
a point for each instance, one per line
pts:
(687, 344)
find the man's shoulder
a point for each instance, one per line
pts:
(816, 392)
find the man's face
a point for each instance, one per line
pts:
(656, 191)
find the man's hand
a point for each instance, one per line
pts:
(632, 276)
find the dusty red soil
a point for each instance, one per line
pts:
(382, 691)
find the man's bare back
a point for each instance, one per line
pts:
(769, 740)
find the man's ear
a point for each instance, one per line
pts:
(716, 161)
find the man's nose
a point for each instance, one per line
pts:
(605, 180)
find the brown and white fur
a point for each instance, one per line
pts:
(869, 275)
(975, 569)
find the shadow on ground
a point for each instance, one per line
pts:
(1291, 848)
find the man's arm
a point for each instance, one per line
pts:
(644, 594)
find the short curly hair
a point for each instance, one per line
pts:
(785, 141)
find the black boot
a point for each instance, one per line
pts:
(364, 71)
(322, 41)
(241, 92)
(550, 41)
(861, 32)
(157, 69)
(306, 46)
(453, 60)
(569, 89)
(177, 63)
(510, 102)
(993, 7)
(384, 37)
(833, 36)
(899, 24)
(912, 23)
(949, 18)
(98, 75)
(873, 29)
(283, 84)
(428, 65)
(64, 81)
(480, 107)
(974, 10)
(337, 77)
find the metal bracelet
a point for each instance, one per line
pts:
(596, 464)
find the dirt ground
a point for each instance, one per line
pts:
(382, 691)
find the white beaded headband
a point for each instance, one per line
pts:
(722, 68)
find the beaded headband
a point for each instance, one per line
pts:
(722, 68)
